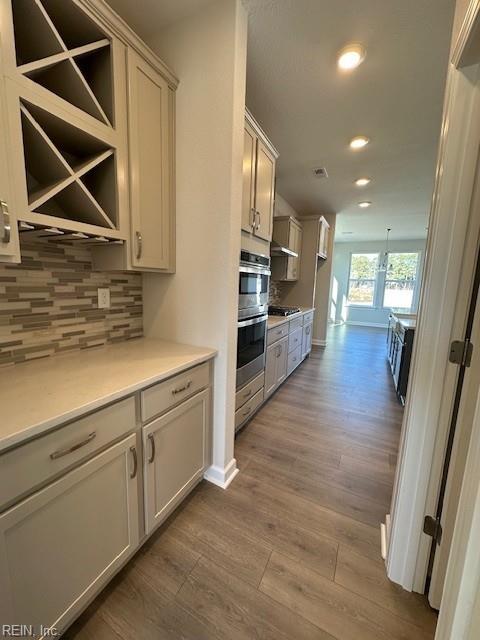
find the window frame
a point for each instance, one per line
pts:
(373, 305)
(415, 281)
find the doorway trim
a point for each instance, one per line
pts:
(433, 379)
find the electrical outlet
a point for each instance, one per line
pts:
(104, 298)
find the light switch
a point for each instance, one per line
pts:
(104, 298)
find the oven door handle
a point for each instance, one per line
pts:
(258, 271)
(247, 323)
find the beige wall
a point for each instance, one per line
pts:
(198, 304)
(283, 208)
(323, 287)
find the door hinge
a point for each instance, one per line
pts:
(433, 528)
(461, 352)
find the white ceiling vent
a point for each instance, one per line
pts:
(320, 172)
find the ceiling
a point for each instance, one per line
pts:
(311, 110)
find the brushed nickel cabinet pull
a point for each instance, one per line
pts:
(63, 452)
(252, 214)
(152, 451)
(139, 240)
(135, 462)
(7, 229)
(247, 412)
(257, 213)
(247, 394)
(184, 388)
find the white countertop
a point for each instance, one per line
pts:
(37, 396)
(275, 321)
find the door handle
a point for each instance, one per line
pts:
(258, 225)
(252, 216)
(152, 444)
(139, 240)
(133, 451)
(7, 229)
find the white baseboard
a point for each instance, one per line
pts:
(367, 324)
(222, 477)
(319, 343)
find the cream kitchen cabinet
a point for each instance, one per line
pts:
(276, 365)
(59, 546)
(175, 456)
(150, 126)
(91, 123)
(307, 339)
(9, 248)
(287, 233)
(259, 158)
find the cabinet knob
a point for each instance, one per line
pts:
(138, 237)
(7, 229)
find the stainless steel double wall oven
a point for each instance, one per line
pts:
(252, 315)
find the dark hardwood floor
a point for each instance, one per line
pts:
(292, 549)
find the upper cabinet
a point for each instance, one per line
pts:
(81, 94)
(259, 159)
(323, 238)
(287, 240)
(9, 249)
(150, 127)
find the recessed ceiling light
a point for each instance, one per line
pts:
(362, 182)
(350, 57)
(364, 205)
(359, 142)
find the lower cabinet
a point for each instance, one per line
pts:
(276, 365)
(174, 456)
(59, 546)
(307, 340)
(294, 359)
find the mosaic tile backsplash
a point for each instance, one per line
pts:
(48, 304)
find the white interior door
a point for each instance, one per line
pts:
(463, 412)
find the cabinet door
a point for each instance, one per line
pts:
(307, 340)
(264, 192)
(271, 369)
(61, 545)
(282, 358)
(150, 124)
(9, 247)
(175, 456)
(248, 196)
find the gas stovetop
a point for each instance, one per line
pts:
(282, 311)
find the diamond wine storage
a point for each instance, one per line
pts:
(80, 166)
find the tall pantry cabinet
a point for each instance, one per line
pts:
(77, 85)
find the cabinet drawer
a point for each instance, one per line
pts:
(277, 333)
(307, 318)
(294, 359)
(295, 339)
(248, 409)
(29, 465)
(249, 390)
(165, 395)
(295, 324)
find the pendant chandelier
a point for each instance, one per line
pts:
(383, 264)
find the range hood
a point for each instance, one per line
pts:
(278, 250)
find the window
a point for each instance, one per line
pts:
(362, 279)
(400, 280)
